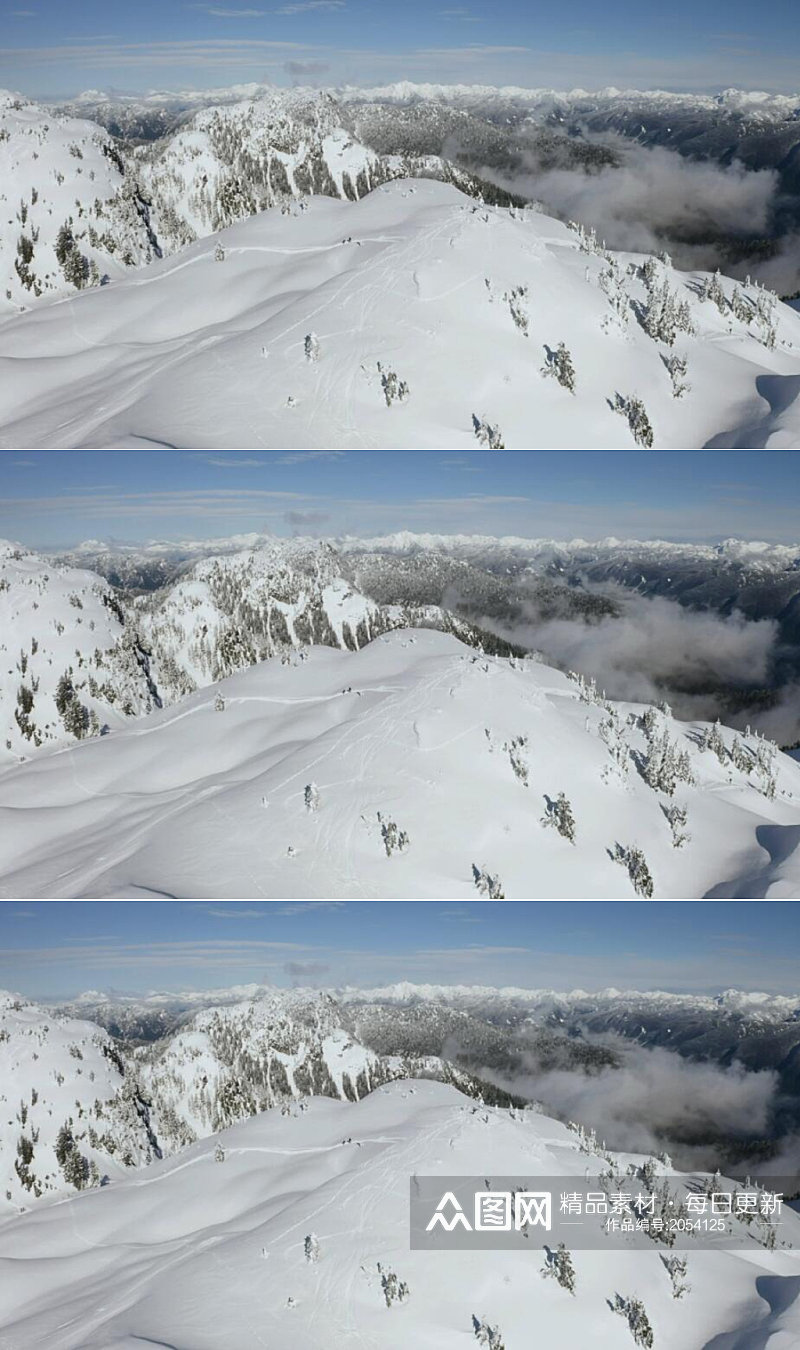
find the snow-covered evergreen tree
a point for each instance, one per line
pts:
(634, 860)
(394, 1289)
(487, 433)
(559, 1265)
(632, 1309)
(559, 814)
(634, 410)
(675, 1267)
(487, 883)
(559, 364)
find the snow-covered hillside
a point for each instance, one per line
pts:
(230, 612)
(69, 663)
(75, 676)
(414, 317)
(70, 213)
(83, 1105)
(235, 1061)
(413, 767)
(294, 1228)
(232, 161)
(69, 1112)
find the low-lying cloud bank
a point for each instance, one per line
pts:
(705, 214)
(652, 1100)
(705, 664)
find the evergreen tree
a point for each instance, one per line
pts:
(76, 719)
(486, 433)
(632, 1309)
(65, 243)
(559, 814)
(486, 883)
(76, 269)
(675, 1267)
(64, 1143)
(638, 871)
(559, 1265)
(559, 363)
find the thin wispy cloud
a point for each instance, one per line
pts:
(236, 463)
(304, 5)
(231, 912)
(511, 964)
(305, 905)
(465, 465)
(300, 456)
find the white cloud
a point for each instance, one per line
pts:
(300, 456)
(304, 5)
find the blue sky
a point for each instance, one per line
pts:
(52, 48)
(55, 498)
(54, 949)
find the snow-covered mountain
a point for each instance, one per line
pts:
(70, 665)
(88, 204)
(83, 657)
(70, 214)
(232, 611)
(231, 1062)
(751, 577)
(413, 767)
(296, 1227)
(370, 323)
(84, 1105)
(231, 161)
(71, 1114)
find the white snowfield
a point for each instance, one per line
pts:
(209, 1250)
(415, 767)
(413, 317)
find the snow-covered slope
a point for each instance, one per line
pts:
(82, 1105)
(125, 655)
(69, 663)
(70, 213)
(69, 1112)
(413, 317)
(280, 1231)
(413, 767)
(232, 611)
